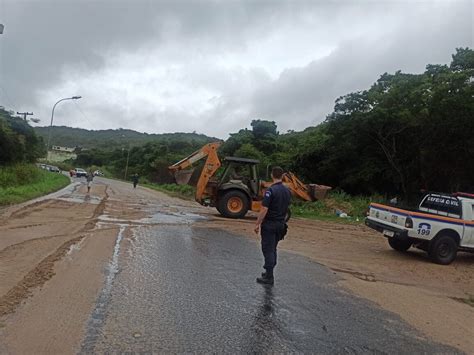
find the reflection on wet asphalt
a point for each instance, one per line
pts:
(178, 288)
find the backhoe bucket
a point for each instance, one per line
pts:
(318, 192)
(182, 177)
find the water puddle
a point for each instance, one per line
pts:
(77, 198)
(156, 219)
(75, 247)
(98, 315)
(172, 218)
(107, 219)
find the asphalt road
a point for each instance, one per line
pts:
(178, 287)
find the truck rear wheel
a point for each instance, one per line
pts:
(443, 250)
(233, 204)
(399, 244)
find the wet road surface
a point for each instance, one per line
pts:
(174, 287)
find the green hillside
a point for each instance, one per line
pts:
(114, 138)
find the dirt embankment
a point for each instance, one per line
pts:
(435, 299)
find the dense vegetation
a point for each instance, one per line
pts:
(405, 133)
(22, 182)
(18, 141)
(150, 160)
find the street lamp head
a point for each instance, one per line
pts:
(76, 97)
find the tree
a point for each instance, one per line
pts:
(264, 135)
(247, 150)
(463, 59)
(18, 141)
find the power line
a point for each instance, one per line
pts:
(83, 114)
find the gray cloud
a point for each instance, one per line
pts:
(212, 66)
(309, 92)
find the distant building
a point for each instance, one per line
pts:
(59, 154)
(63, 149)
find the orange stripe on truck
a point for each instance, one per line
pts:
(421, 214)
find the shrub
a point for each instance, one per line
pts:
(18, 175)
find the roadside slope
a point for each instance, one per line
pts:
(20, 183)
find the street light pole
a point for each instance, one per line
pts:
(52, 117)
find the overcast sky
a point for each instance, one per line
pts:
(213, 66)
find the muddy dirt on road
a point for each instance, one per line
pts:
(123, 269)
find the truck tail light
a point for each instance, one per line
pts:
(408, 223)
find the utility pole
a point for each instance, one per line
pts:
(128, 157)
(126, 165)
(24, 114)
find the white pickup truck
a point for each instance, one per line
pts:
(442, 225)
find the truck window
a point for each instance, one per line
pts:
(441, 205)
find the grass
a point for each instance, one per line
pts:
(336, 201)
(22, 182)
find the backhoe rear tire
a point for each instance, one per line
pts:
(233, 204)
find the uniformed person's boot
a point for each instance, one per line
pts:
(266, 279)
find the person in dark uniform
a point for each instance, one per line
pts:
(271, 222)
(135, 178)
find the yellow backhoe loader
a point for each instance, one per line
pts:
(237, 188)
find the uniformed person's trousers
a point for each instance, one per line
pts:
(271, 234)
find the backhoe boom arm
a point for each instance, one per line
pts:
(210, 166)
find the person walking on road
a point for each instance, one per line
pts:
(271, 223)
(135, 180)
(89, 178)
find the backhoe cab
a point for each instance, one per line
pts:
(236, 188)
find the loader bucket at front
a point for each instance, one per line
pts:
(318, 192)
(182, 177)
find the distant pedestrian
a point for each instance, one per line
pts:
(271, 223)
(135, 178)
(89, 178)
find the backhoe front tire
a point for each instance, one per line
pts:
(233, 204)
